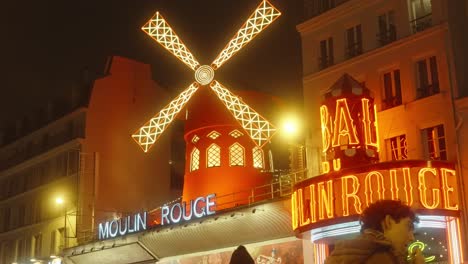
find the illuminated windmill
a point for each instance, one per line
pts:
(258, 128)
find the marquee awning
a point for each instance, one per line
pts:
(242, 225)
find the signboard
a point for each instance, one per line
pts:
(420, 184)
(122, 226)
(198, 208)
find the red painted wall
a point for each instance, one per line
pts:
(127, 179)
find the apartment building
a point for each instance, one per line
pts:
(411, 55)
(70, 164)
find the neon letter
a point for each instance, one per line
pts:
(343, 124)
(165, 214)
(369, 192)
(324, 117)
(423, 188)
(447, 189)
(345, 195)
(325, 199)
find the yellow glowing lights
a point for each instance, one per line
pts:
(259, 129)
(159, 30)
(150, 132)
(318, 199)
(254, 124)
(204, 74)
(344, 125)
(418, 244)
(263, 16)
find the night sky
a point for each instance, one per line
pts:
(45, 45)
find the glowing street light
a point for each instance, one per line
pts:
(59, 200)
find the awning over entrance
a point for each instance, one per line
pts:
(242, 225)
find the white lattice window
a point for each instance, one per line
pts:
(213, 135)
(213, 156)
(195, 160)
(257, 158)
(236, 155)
(236, 133)
(195, 139)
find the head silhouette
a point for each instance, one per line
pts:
(241, 256)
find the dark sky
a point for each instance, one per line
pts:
(44, 45)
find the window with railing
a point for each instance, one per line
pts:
(236, 155)
(434, 143)
(213, 156)
(391, 96)
(387, 28)
(326, 53)
(353, 41)
(427, 77)
(314, 8)
(397, 148)
(420, 14)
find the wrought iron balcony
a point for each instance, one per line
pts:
(387, 36)
(325, 62)
(428, 90)
(421, 23)
(353, 49)
(388, 103)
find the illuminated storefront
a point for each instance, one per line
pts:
(326, 208)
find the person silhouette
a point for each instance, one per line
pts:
(241, 256)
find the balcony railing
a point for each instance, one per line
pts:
(386, 36)
(278, 189)
(421, 23)
(325, 62)
(388, 103)
(428, 90)
(353, 49)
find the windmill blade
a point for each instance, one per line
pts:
(259, 129)
(147, 135)
(263, 16)
(159, 30)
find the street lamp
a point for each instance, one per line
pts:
(60, 201)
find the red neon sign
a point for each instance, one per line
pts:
(420, 184)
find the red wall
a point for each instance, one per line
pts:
(128, 179)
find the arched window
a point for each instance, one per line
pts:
(236, 155)
(195, 160)
(213, 156)
(257, 158)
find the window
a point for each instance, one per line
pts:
(326, 53)
(213, 156)
(387, 29)
(236, 155)
(213, 135)
(258, 158)
(36, 245)
(391, 89)
(20, 249)
(236, 133)
(61, 238)
(21, 215)
(434, 143)
(427, 77)
(420, 14)
(353, 41)
(195, 160)
(195, 139)
(397, 149)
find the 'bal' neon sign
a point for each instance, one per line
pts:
(198, 208)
